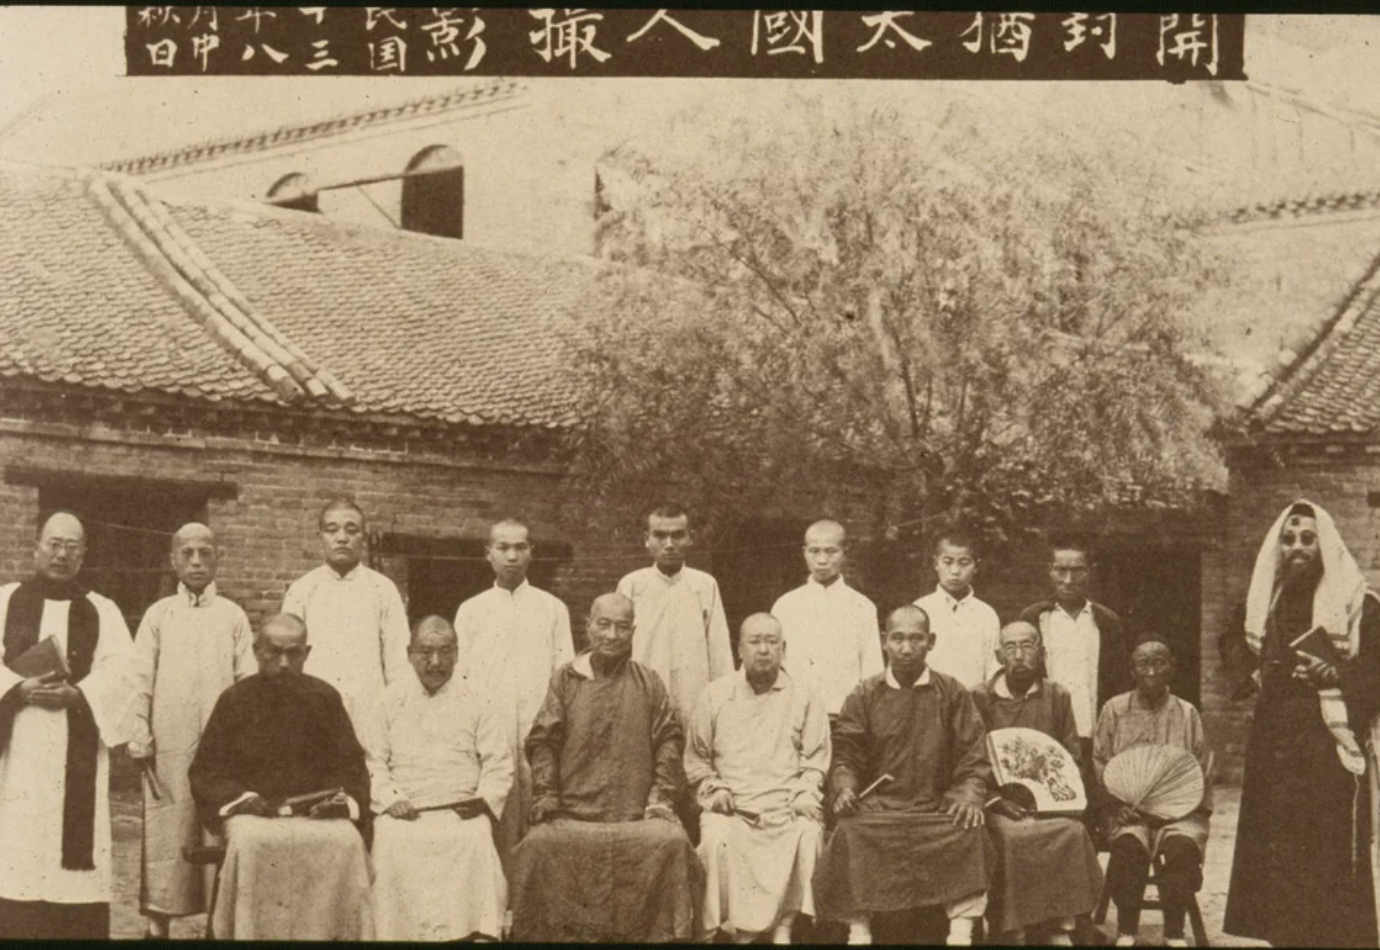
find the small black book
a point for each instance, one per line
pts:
(1317, 642)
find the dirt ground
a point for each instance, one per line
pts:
(125, 922)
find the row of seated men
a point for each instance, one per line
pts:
(607, 857)
(192, 645)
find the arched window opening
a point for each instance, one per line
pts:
(294, 191)
(433, 193)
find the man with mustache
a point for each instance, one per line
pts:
(1304, 870)
(606, 859)
(440, 766)
(1150, 714)
(1047, 871)
(273, 736)
(56, 733)
(355, 616)
(756, 755)
(190, 647)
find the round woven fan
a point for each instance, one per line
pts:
(1163, 781)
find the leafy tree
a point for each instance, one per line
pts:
(845, 304)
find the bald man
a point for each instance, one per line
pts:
(56, 732)
(909, 776)
(606, 859)
(756, 756)
(189, 648)
(832, 629)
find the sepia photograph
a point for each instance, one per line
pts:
(683, 475)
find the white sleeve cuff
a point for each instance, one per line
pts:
(229, 806)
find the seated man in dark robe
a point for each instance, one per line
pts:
(1151, 714)
(606, 859)
(273, 737)
(1047, 872)
(909, 777)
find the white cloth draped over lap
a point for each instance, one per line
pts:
(33, 765)
(189, 648)
(681, 631)
(755, 874)
(357, 629)
(293, 879)
(437, 878)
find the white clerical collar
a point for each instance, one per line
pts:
(834, 586)
(954, 602)
(207, 594)
(1003, 689)
(349, 575)
(924, 679)
(516, 590)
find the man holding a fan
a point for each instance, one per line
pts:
(1152, 762)
(1303, 873)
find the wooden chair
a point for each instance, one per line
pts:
(201, 856)
(1195, 916)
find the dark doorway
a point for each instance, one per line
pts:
(129, 527)
(1158, 589)
(433, 193)
(755, 563)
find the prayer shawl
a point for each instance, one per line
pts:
(1337, 605)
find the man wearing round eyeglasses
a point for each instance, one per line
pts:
(1047, 871)
(1084, 648)
(66, 697)
(441, 766)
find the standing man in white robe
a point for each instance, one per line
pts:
(440, 767)
(757, 751)
(354, 615)
(682, 633)
(832, 628)
(189, 648)
(57, 732)
(966, 630)
(512, 637)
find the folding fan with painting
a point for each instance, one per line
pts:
(1034, 771)
(1161, 781)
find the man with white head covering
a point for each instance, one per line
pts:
(1303, 873)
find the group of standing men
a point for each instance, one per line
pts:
(549, 795)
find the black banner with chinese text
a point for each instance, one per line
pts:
(765, 44)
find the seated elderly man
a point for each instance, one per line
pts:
(440, 765)
(756, 754)
(1151, 714)
(606, 859)
(280, 768)
(1047, 871)
(910, 775)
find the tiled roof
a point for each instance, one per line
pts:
(113, 287)
(1304, 206)
(334, 125)
(1327, 382)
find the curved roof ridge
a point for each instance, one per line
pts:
(333, 125)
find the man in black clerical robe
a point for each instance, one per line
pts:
(56, 732)
(917, 839)
(1304, 869)
(273, 737)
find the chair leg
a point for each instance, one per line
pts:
(1195, 918)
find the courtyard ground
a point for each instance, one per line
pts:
(125, 922)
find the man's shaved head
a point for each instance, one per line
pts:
(906, 613)
(826, 528)
(192, 531)
(61, 547)
(434, 624)
(824, 550)
(194, 556)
